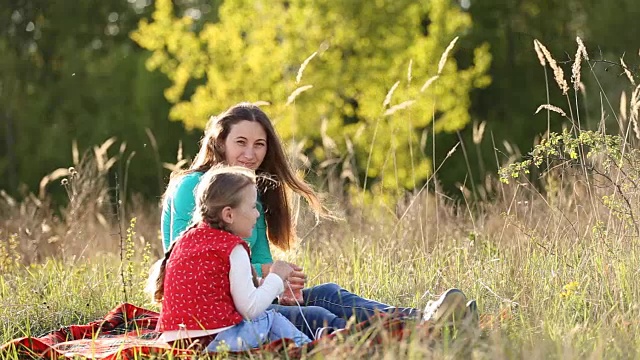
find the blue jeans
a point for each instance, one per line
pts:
(250, 334)
(316, 317)
(331, 305)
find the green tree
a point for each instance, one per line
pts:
(69, 71)
(518, 85)
(362, 48)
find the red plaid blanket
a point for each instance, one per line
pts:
(125, 331)
(128, 331)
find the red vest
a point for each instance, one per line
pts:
(197, 292)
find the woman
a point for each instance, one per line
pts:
(243, 135)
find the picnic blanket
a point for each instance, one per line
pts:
(128, 331)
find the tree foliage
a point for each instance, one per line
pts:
(518, 85)
(69, 72)
(361, 49)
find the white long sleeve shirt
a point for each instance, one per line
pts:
(249, 300)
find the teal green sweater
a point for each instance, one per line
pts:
(177, 212)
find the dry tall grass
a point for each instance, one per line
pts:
(93, 221)
(552, 259)
(550, 278)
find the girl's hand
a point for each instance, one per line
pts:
(282, 269)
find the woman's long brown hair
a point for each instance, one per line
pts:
(273, 193)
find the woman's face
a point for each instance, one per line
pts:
(246, 145)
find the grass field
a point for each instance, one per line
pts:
(554, 284)
(554, 266)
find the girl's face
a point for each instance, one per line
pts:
(241, 219)
(246, 145)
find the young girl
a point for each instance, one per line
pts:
(205, 282)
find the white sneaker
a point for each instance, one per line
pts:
(471, 316)
(449, 309)
(323, 331)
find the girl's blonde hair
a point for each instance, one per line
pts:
(220, 187)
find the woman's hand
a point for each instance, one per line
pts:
(293, 290)
(254, 277)
(266, 268)
(297, 278)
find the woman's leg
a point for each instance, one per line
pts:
(345, 304)
(316, 317)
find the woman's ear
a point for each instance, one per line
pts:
(227, 215)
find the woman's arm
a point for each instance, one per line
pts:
(261, 254)
(254, 277)
(259, 244)
(249, 300)
(182, 204)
